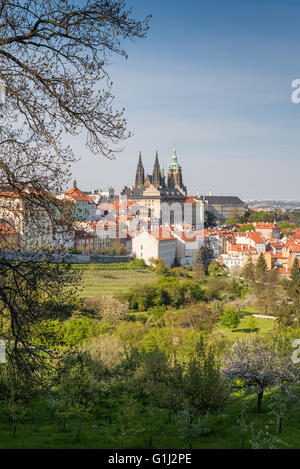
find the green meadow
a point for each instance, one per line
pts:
(110, 279)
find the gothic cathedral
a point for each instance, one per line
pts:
(154, 189)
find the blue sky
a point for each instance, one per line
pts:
(214, 78)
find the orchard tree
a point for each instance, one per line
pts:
(77, 389)
(203, 386)
(281, 400)
(16, 392)
(253, 365)
(107, 308)
(129, 422)
(166, 390)
(198, 316)
(54, 59)
(190, 429)
(152, 366)
(107, 351)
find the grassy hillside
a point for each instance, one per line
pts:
(109, 279)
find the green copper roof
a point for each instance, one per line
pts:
(174, 163)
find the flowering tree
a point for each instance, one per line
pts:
(252, 364)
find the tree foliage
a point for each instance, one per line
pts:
(230, 319)
(204, 387)
(255, 366)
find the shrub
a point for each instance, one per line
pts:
(138, 263)
(106, 350)
(167, 291)
(78, 330)
(230, 319)
(107, 308)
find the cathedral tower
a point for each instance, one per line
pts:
(156, 176)
(140, 174)
(174, 178)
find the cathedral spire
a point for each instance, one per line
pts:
(174, 163)
(156, 177)
(140, 174)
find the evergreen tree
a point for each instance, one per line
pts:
(294, 283)
(248, 271)
(295, 271)
(210, 220)
(261, 268)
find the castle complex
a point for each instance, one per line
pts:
(165, 196)
(157, 191)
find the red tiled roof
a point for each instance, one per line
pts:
(123, 205)
(279, 255)
(78, 195)
(256, 237)
(265, 226)
(162, 234)
(186, 237)
(240, 248)
(190, 200)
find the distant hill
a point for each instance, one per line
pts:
(274, 204)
